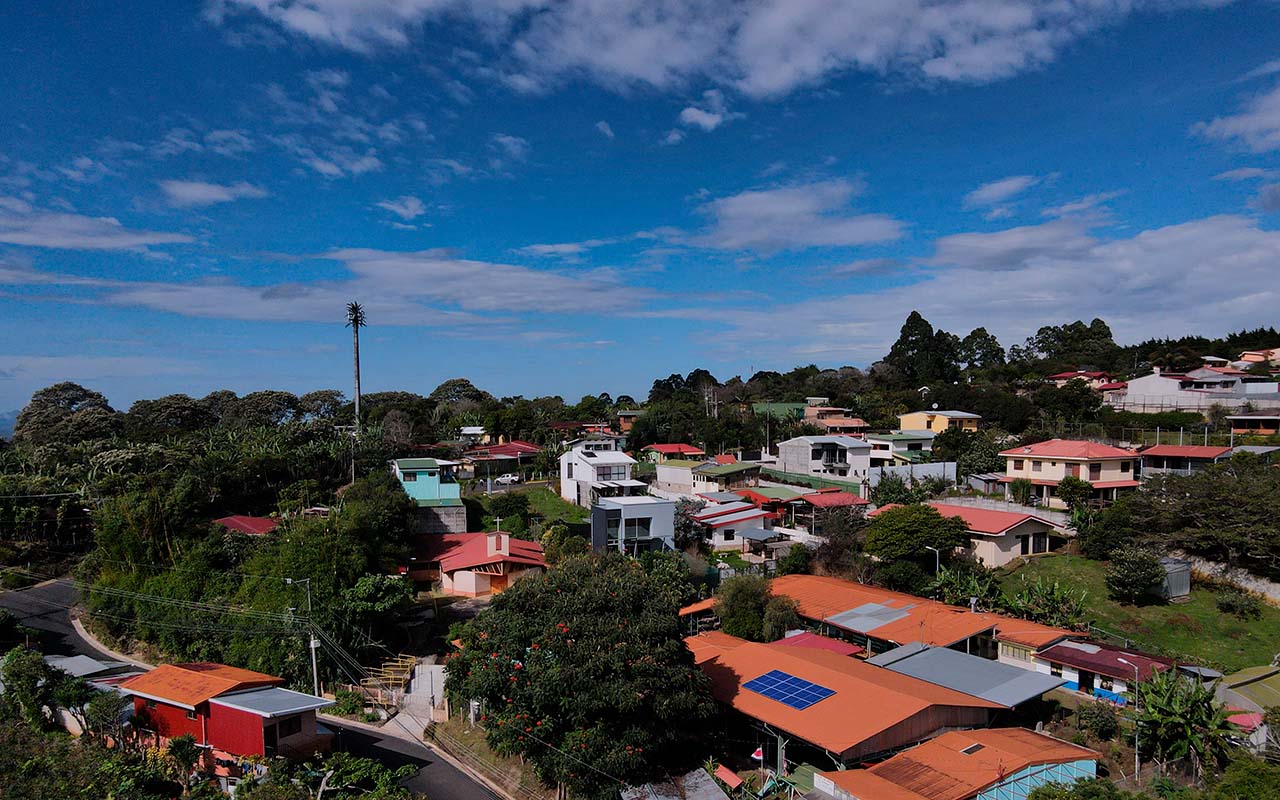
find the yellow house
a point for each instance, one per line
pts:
(938, 421)
(1110, 469)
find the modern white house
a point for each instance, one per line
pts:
(1196, 390)
(724, 522)
(905, 447)
(595, 468)
(840, 457)
(633, 524)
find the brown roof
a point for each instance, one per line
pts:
(958, 765)
(868, 700)
(189, 685)
(1186, 451)
(1105, 660)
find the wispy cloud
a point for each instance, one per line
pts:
(1245, 174)
(990, 194)
(187, 194)
(710, 114)
(37, 228)
(605, 129)
(1083, 205)
(406, 207)
(1256, 126)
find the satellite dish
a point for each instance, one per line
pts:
(935, 406)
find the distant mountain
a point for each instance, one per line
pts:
(7, 420)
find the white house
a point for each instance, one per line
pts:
(1195, 390)
(724, 522)
(842, 457)
(998, 537)
(633, 524)
(595, 468)
(1097, 669)
(906, 447)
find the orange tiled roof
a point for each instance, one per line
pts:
(940, 769)
(868, 700)
(190, 685)
(986, 520)
(698, 607)
(1068, 449)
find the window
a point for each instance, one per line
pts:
(191, 715)
(570, 465)
(1055, 670)
(727, 535)
(1106, 684)
(1017, 463)
(289, 727)
(973, 748)
(410, 477)
(1095, 472)
(638, 528)
(1125, 466)
(1036, 466)
(1016, 652)
(815, 454)
(150, 704)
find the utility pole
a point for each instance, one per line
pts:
(1137, 766)
(312, 643)
(356, 321)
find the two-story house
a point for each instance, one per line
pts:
(938, 421)
(231, 713)
(433, 485)
(1094, 380)
(835, 420)
(595, 468)
(840, 457)
(894, 449)
(633, 524)
(1111, 470)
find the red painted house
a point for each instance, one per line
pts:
(233, 713)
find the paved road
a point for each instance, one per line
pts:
(44, 608)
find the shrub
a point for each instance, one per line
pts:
(1099, 718)
(797, 561)
(1134, 573)
(1239, 602)
(348, 703)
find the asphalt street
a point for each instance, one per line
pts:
(44, 607)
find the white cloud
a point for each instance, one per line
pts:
(605, 129)
(793, 217)
(188, 194)
(83, 169)
(1244, 174)
(1013, 248)
(1082, 205)
(228, 142)
(1257, 126)
(713, 112)
(1269, 68)
(673, 136)
(37, 228)
(765, 48)
(512, 147)
(406, 207)
(1268, 198)
(989, 194)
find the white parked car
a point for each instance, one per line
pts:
(508, 479)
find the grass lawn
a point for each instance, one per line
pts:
(1195, 630)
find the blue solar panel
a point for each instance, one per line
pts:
(788, 689)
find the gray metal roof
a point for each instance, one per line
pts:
(273, 702)
(847, 442)
(84, 666)
(897, 654)
(722, 497)
(1260, 449)
(979, 677)
(868, 616)
(737, 516)
(697, 785)
(758, 534)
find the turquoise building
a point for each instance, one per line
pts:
(433, 485)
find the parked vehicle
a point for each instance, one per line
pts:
(508, 479)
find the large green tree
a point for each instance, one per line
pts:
(1182, 719)
(905, 532)
(585, 673)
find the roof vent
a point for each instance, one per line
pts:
(971, 749)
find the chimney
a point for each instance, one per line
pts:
(499, 544)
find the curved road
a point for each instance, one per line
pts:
(44, 607)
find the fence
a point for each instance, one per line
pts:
(1059, 518)
(514, 788)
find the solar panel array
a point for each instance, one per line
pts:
(788, 689)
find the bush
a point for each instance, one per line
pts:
(903, 576)
(1239, 602)
(1134, 574)
(1099, 718)
(797, 561)
(348, 703)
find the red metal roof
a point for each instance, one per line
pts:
(189, 685)
(834, 499)
(1065, 376)
(252, 526)
(984, 520)
(1104, 660)
(728, 776)
(816, 642)
(1068, 449)
(1186, 451)
(724, 458)
(1108, 387)
(455, 551)
(958, 765)
(513, 449)
(676, 449)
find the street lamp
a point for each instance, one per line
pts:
(937, 559)
(312, 644)
(1137, 768)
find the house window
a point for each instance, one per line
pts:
(727, 536)
(191, 714)
(150, 703)
(1055, 670)
(1015, 652)
(1017, 463)
(1107, 684)
(410, 477)
(289, 727)
(570, 466)
(1095, 472)
(1036, 466)
(1124, 466)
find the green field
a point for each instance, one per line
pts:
(1195, 631)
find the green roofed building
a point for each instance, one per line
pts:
(433, 486)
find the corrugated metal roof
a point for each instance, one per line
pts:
(991, 680)
(736, 517)
(273, 702)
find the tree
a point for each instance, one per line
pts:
(1073, 402)
(906, 531)
(1178, 719)
(185, 754)
(356, 321)
(981, 350)
(981, 456)
(65, 413)
(173, 414)
(321, 405)
(923, 355)
(1247, 777)
(893, 488)
(1022, 491)
(28, 680)
(797, 561)
(689, 532)
(842, 553)
(585, 674)
(740, 605)
(781, 614)
(1134, 573)
(1083, 789)
(1049, 603)
(1074, 491)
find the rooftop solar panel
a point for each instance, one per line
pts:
(788, 689)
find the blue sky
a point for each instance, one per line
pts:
(580, 196)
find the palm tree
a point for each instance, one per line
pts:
(355, 321)
(1181, 719)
